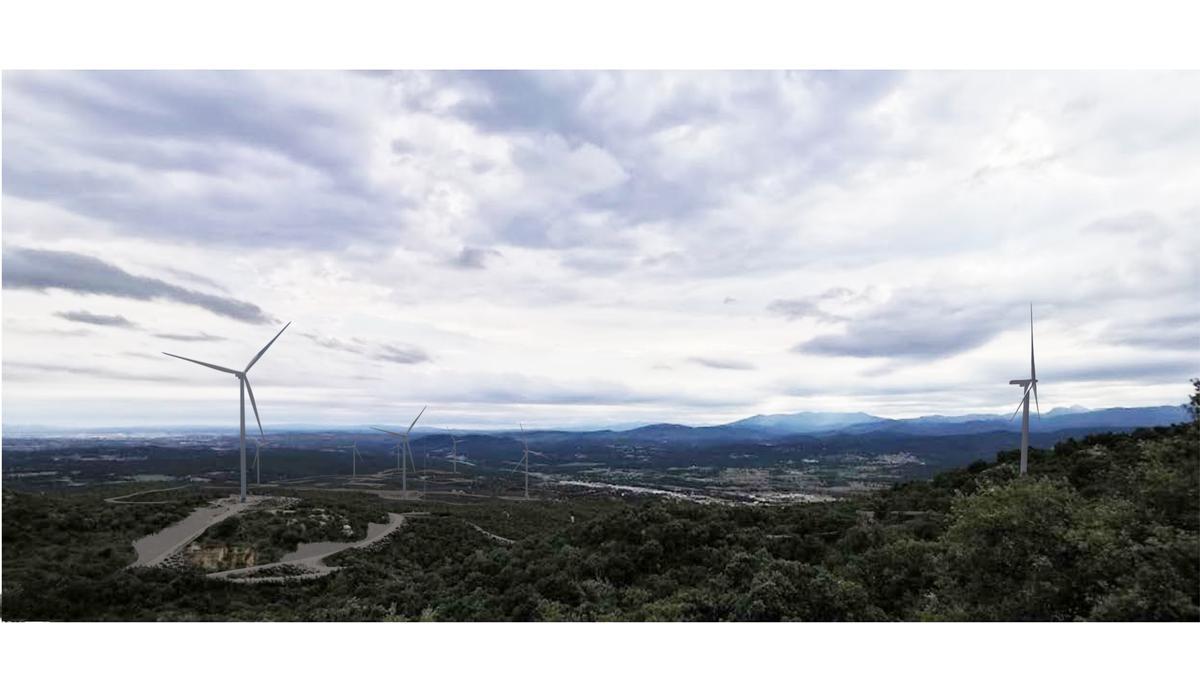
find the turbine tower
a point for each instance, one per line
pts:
(244, 385)
(354, 456)
(454, 453)
(404, 457)
(258, 446)
(1029, 385)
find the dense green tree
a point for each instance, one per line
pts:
(1105, 527)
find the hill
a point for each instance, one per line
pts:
(1104, 528)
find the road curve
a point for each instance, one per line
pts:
(313, 563)
(155, 548)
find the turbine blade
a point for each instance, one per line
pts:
(1024, 393)
(1032, 367)
(414, 422)
(264, 349)
(250, 390)
(223, 369)
(393, 433)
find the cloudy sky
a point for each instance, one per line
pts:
(592, 248)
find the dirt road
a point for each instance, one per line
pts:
(155, 548)
(310, 556)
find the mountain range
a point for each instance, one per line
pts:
(749, 428)
(1057, 419)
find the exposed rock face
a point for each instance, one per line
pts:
(221, 557)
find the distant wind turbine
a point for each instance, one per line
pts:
(354, 457)
(258, 446)
(244, 383)
(525, 459)
(404, 456)
(1023, 407)
(454, 453)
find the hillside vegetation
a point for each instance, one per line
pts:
(1105, 527)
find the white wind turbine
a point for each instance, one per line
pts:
(257, 466)
(1029, 385)
(244, 384)
(406, 453)
(454, 453)
(355, 455)
(525, 459)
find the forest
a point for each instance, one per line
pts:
(1104, 527)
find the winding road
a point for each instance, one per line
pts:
(124, 499)
(310, 556)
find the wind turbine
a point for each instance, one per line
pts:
(405, 453)
(525, 459)
(244, 384)
(455, 458)
(1023, 407)
(258, 446)
(355, 455)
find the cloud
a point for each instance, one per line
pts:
(353, 346)
(30, 371)
(474, 258)
(40, 269)
(405, 355)
(1180, 332)
(56, 332)
(190, 337)
(800, 309)
(202, 156)
(722, 364)
(193, 278)
(627, 206)
(809, 306)
(84, 316)
(1136, 222)
(1144, 369)
(913, 324)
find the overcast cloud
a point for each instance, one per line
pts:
(536, 246)
(97, 319)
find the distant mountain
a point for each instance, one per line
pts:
(766, 430)
(1068, 410)
(1058, 419)
(1117, 417)
(804, 422)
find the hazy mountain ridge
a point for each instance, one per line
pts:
(1056, 420)
(764, 427)
(805, 421)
